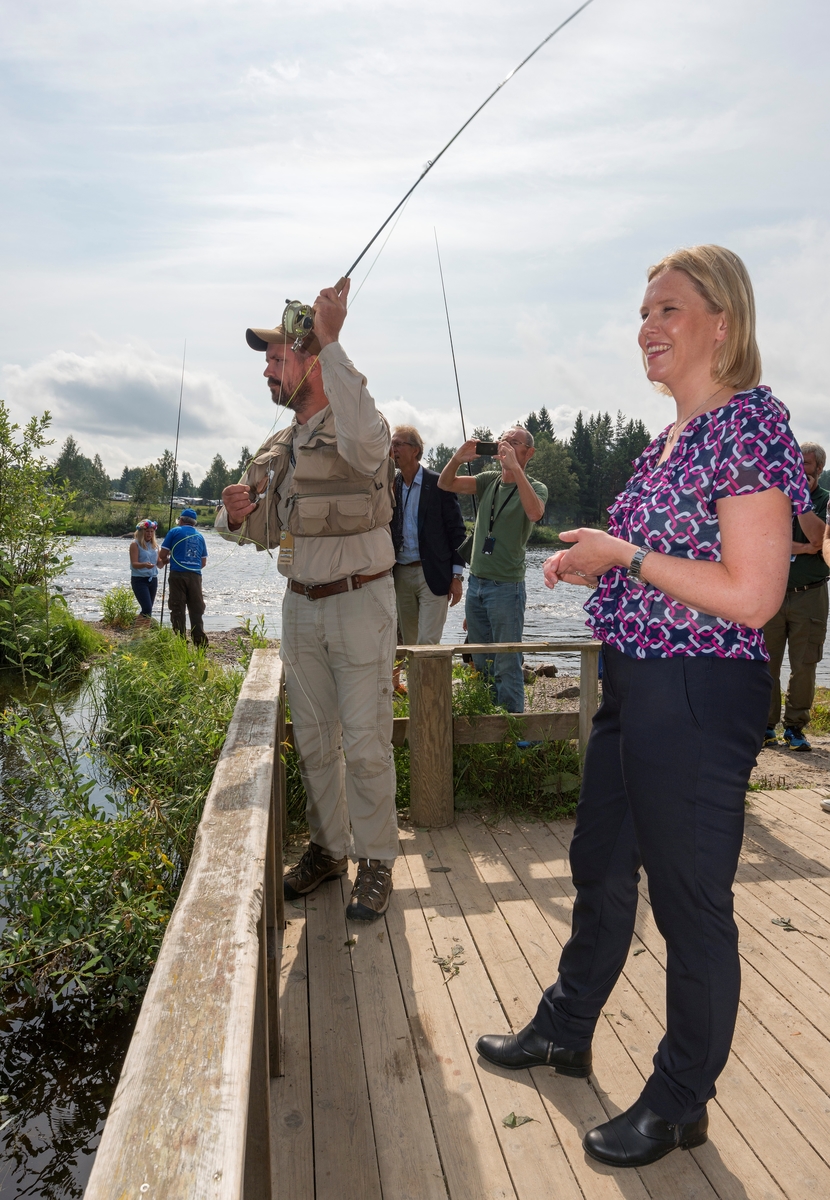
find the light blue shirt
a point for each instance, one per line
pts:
(410, 501)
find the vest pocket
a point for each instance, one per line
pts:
(353, 514)
(312, 515)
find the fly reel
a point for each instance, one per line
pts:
(297, 321)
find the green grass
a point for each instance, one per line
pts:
(820, 712)
(39, 636)
(119, 607)
(115, 518)
(88, 892)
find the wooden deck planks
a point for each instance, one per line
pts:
(380, 1049)
(407, 1155)
(345, 1157)
(292, 1144)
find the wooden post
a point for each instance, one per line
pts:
(429, 676)
(258, 1133)
(588, 683)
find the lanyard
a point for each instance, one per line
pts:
(493, 514)
(408, 493)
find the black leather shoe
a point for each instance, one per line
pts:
(528, 1049)
(638, 1137)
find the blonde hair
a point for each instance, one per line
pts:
(411, 432)
(141, 537)
(721, 278)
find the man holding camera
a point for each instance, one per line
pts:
(509, 503)
(321, 490)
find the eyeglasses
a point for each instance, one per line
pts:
(396, 445)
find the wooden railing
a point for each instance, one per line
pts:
(432, 732)
(191, 1114)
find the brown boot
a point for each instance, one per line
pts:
(316, 866)
(371, 892)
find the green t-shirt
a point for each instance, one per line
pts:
(809, 568)
(511, 528)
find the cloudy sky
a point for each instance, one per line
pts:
(175, 172)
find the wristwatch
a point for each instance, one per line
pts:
(636, 563)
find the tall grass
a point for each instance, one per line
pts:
(118, 607)
(88, 890)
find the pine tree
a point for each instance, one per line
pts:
(245, 457)
(545, 423)
(186, 486)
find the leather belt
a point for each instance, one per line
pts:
(319, 591)
(807, 586)
(417, 563)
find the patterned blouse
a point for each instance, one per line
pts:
(744, 447)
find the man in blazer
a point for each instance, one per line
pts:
(427, 529)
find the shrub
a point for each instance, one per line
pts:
(40, 637)
(88, 892)
(119, 607)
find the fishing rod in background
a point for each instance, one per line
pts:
(298, 318)
(454, 365)
(173, 479)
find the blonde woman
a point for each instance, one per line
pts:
(144, 573)
(694, 563)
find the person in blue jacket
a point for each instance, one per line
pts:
(185, 550)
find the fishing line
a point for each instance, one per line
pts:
(431, 163)
(454, 365)
(377, 256)
(173, 480)
(298, 318)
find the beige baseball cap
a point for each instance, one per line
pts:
(258, 339)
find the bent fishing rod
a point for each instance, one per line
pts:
(173, 479)
(298, 318)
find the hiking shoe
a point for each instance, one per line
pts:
(770, 738)
(371, 892)
(315, 867)
(795, 739)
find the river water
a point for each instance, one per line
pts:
(240, 583)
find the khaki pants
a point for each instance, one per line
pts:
(338, 653)
(186, 592)
(801, 625)
(421, 614)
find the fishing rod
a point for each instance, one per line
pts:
(454, 365)
(173, 479)
(298, 318)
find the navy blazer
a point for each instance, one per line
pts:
(441, 531)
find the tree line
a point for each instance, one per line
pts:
(582, 473)
(148, 485)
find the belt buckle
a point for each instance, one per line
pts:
(308, 594)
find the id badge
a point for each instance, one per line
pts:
(286, 554)
(489, 543)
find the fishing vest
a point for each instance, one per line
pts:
(326, 496)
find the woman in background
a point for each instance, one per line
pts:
(694, 562)
(144, 573)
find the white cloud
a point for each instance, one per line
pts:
(122, 401)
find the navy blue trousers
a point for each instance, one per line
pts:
(664, 784)
(144, 591)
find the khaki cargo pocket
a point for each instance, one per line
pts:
(353, 514)
(312, 516)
